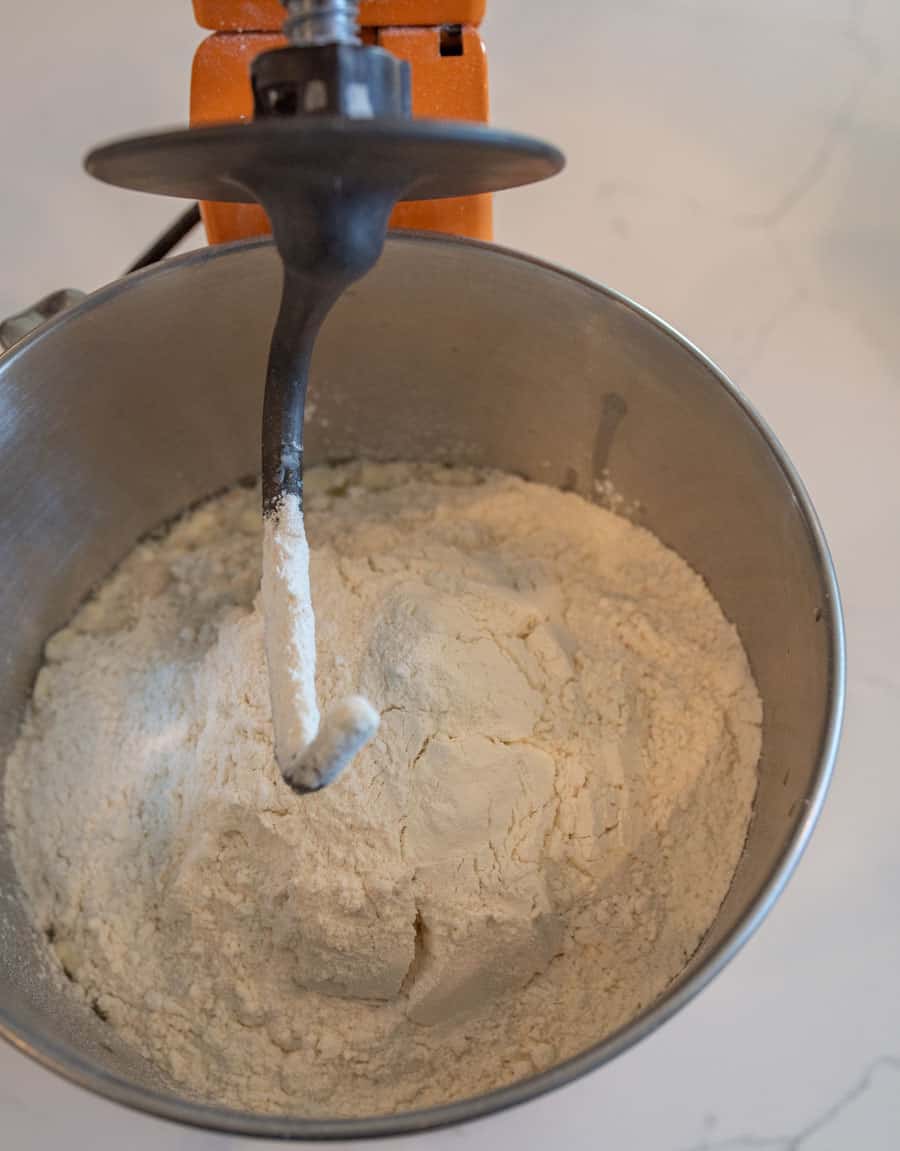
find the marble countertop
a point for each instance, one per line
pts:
(735, 168)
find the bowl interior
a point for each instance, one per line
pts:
(147, 398)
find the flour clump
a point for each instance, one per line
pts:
(526, 854)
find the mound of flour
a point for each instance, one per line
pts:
(526, 855)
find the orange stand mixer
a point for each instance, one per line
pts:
(440, 40)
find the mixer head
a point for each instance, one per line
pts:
(330, 151)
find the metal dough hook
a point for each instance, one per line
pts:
(330, 151)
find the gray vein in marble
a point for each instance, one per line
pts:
(856, 15)
(799, 293)
(802, 1140)
(841, 123)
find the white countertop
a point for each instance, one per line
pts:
(736, 168)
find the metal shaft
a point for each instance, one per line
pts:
(318, 22)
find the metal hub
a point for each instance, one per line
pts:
(315, 22)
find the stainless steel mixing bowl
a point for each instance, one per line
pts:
(146, 397)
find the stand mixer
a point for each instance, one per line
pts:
(459, 342)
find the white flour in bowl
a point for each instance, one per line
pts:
(526, 854)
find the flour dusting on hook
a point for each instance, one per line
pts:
(309, 758)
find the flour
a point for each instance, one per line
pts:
(525, 855)
(290, 634)
(309, 758)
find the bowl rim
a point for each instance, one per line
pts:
(68, 1063)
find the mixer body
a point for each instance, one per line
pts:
(441, 41)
